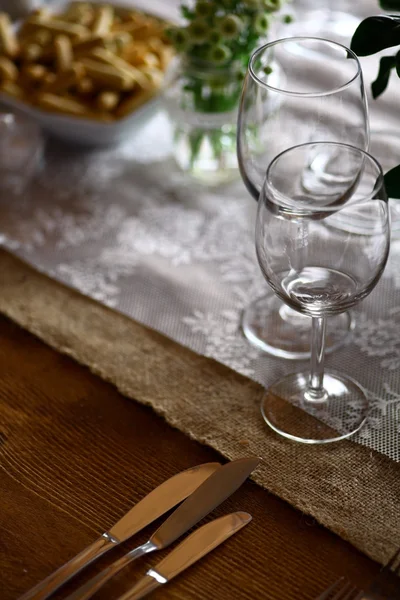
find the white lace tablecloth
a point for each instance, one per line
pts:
(124, 227)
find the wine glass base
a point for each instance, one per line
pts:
(278, 330)
(286, 410)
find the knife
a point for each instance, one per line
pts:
(208, 495)
(194, 547)
(156, 503)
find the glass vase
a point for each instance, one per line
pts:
(202, 101)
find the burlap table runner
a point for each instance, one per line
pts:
(350, 489)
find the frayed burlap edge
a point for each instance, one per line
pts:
(350, 489)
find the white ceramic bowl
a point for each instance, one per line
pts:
(89, 132)
(85, 132)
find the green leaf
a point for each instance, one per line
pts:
(390, 5)
(392, 182)
(375, 34)
(187, 13)
(386, 64)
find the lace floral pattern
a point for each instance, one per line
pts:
(134, 236)
(380, 338)
(392, 270)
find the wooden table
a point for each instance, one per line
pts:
(281, 554)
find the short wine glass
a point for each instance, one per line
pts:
(296, 90)
(320, 270)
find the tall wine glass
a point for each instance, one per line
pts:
(296, 90)
(320, 270)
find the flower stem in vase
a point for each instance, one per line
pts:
(214, 44)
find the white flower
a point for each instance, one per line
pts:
(261, 24)
(220, 54)
(198, 31)
(230, 27)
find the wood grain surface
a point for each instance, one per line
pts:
(75, 455)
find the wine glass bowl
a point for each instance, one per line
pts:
(320, 270)
(298, 90)
(310, 264)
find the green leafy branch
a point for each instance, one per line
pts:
(392, 182)
(373, 35)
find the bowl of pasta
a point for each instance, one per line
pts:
(89, 73)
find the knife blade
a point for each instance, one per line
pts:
(192, 549)
(159, 501)
(212, 492)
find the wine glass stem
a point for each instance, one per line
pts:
(316, 383)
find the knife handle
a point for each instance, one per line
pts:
(145, 586)
(86, 591)
(49, 585)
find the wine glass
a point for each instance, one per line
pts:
(296, 90)
(320, 270)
